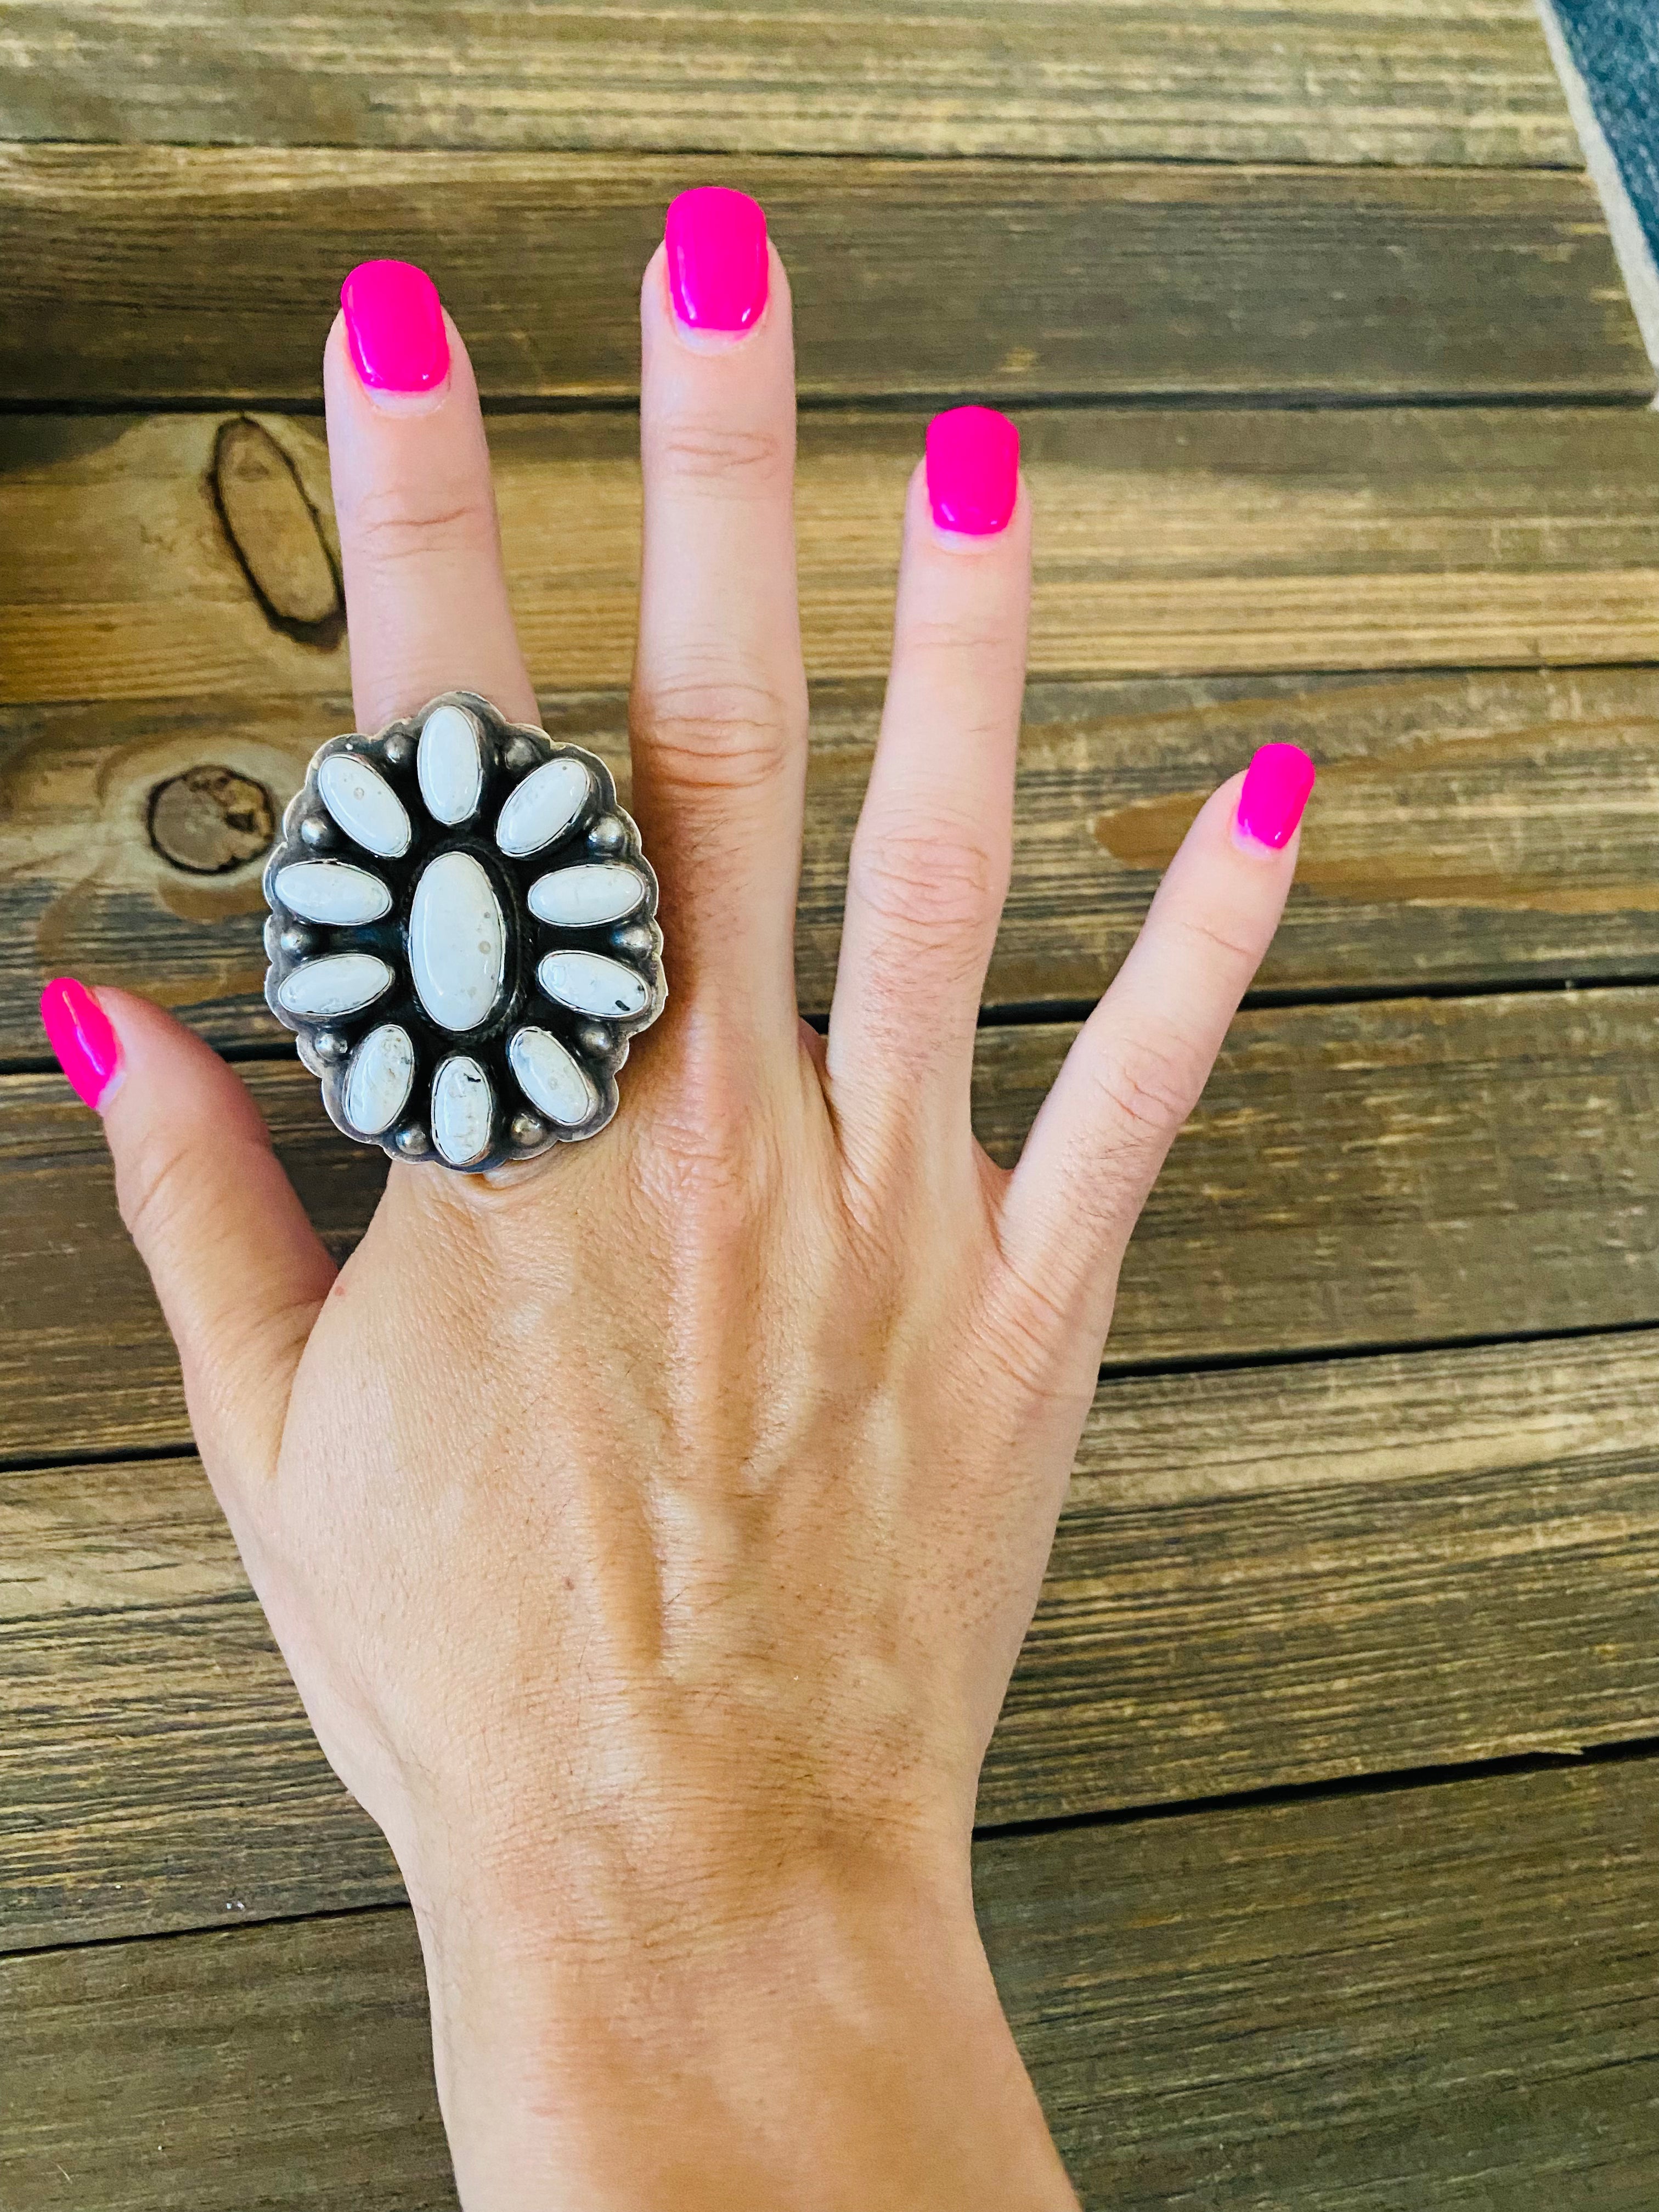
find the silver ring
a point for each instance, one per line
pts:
(463, 935)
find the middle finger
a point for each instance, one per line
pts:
(718, 713)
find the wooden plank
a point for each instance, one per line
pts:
(1467, 828)
(1437, 1998)
(1350, 81)
(1266, 1577)
(1169, 541)
(1364, 1176)
(1040, 279)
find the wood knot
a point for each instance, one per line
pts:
(275, 535)
(210, 820)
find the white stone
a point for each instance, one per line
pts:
(550, 1078)
(579, 897)
(337, 985)
(364, 804)
(449, 765)
(331, 891)
(543, 806)
(591, 984)
(457, 941)
(378, 1085)
(461, 1108)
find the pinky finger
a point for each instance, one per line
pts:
(1137, 1067)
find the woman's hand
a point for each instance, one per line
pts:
(651, 1531)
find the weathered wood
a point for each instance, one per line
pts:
(1437, 1997)
(1277, 1575)
(997, 279)
(1466, 828)
(1469, 80)
(1168, 541)
(1357, 1176)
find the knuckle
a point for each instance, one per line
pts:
(929, 886)
(734, 460)
(712, 1167)
(1210, 936)
(716, 733)
(392, 523)
(150, 1187)
(1146, 1087)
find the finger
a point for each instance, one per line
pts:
(1135, 1070)
(239, 1271)
(719, 705)
(931, 856)
(420, 544)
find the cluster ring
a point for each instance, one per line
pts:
(462, 936)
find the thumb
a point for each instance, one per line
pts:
(239, 1271)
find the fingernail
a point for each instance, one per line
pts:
(78, 1031)
(395, 327)
(973, 470)
(1275, 790)
(718, 270)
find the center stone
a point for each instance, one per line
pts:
(457, 941)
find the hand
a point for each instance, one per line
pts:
(651, 1531)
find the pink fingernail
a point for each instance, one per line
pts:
(79, 1032)
(718, 270)
(1275, 790)
(395, 327)
(973, 470)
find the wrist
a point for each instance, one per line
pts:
(815, 2043)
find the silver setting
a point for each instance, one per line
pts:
(555, 892)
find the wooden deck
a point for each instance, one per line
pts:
(1318, 1848)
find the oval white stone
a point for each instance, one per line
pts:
(338, 985)
(364, 804)
(449, 765)
(461, 1106)
(595, 892)
(377, 1086)
(457, 941)
(331, 891)
(550, 1078)
(591, 984)
(546, 804)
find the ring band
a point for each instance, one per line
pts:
(462, 936)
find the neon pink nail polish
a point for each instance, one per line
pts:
(973, 470)
(1275, 790)
(395, 327)
(79, 1032)
(718, 270)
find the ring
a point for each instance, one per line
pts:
(462, 936)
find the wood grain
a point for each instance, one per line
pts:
(1277, 1576)
(1350, 81)
(1363, 1175)
(1466, 828)
(1168, 542)
(998, 279)
(1435, 1997)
